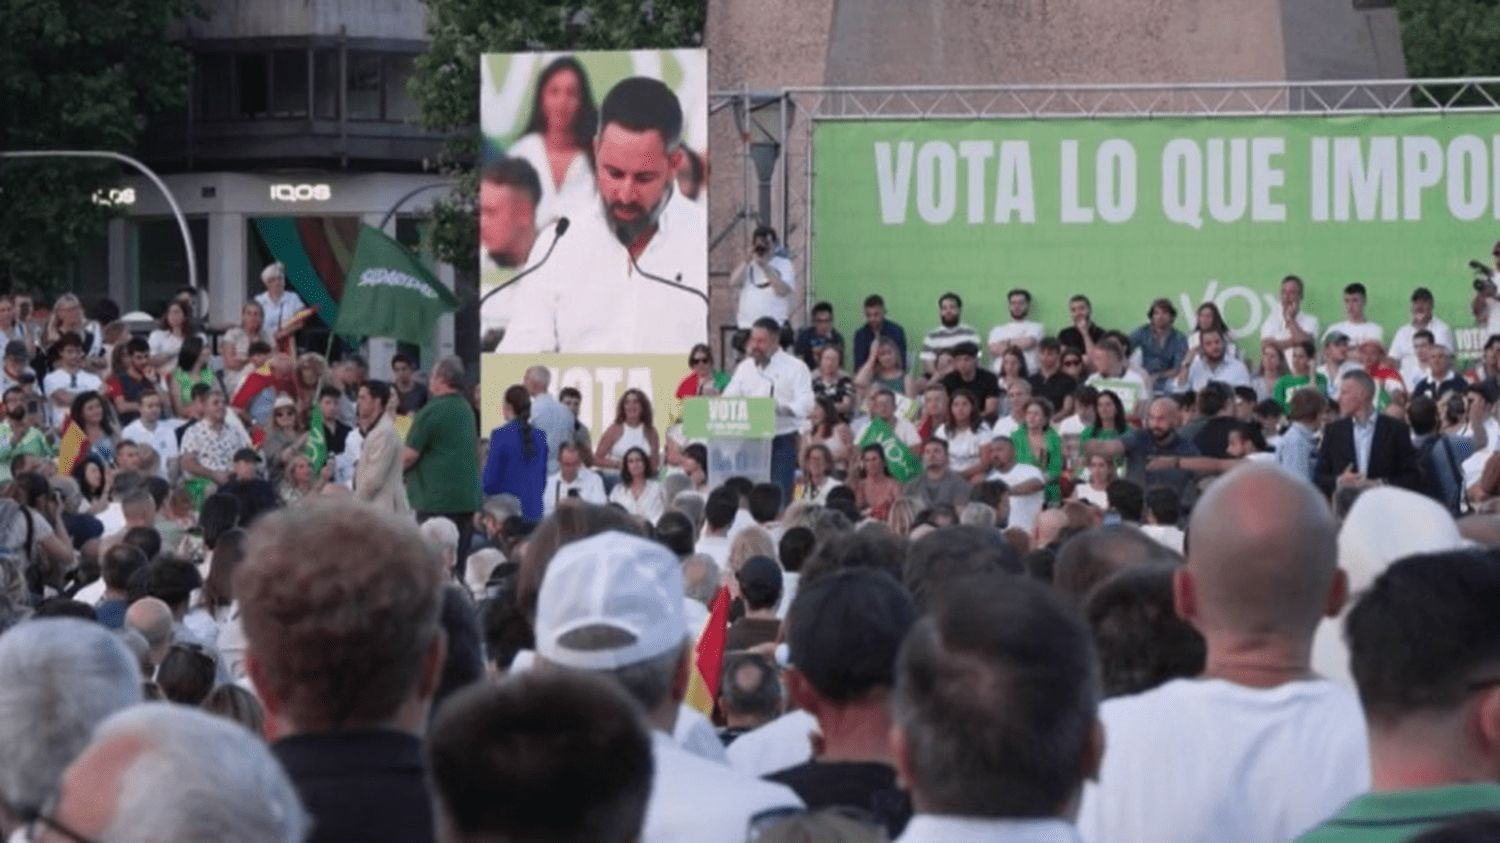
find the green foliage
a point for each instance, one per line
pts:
(446, 83)
(75, 74)
(1448, 38)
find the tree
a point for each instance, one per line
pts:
(1447, 38)
(75, 74)
(446, 83)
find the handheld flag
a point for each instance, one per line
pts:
(899, 459)
(258, 381)
(72, 447)
(317, 440)
(389, 293)
(708, 662)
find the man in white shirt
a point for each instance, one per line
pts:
(278, 303)
(1026, 485)
(1403, 344)
(883, 407)
(151, 429)
(950, 333)
(69, 380)
(1355, 326)
(769, 372)
(572, 480)
(612, 605)
(986, 754)
(630, 278)
(766, 281)
(1258, 748)
(1110, 372)
(1211, 362)
(1289, 326)
(1019, 332)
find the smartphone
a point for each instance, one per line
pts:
(573, 493)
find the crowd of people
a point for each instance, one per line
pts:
(1030, 586)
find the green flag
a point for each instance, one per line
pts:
(317, 441)
(899, 460)
(389, 293)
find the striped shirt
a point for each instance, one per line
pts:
(942, 339)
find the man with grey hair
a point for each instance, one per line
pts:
(1363, 444)
(153, 619)
(442, 470)
(59, 677)
(1258, 747)
(166, 772)
(995, 715)
(547, 414)
(612, 604)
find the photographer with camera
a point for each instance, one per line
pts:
(1486, 303)
(765, 280)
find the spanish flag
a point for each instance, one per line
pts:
(258, 381)
(708, 663)
(72, 447)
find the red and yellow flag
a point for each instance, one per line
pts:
(258, 381)
(708, 662)
(72, 447)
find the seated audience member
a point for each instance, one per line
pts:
(1141, 641)
(938, 558)
(612, 604)
(346, 693)
(1091, 557)
(843, 634)
(187, 673)
(1163, 511)
(1424, 642)
(760, 586)
(937, 485)
(996, 715)
(503, 756)
(167, 772)
(795, 546)
(117, 567)
(152, 618)
(43, 662)
(573, 480)
(750, 694)
(1257, 748)
(1127, 501)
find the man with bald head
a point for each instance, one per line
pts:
(1259, 747)
(1158, 439)
(153, 619)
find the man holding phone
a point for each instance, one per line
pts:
(572, 480)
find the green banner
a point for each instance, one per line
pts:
(729, 418)
(316, 448)
(1127, 210)
(389, 293)
(899, 459)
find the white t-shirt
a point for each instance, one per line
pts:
(74, 383)
(1275, 325)
(1230, 371)
(1023, 508)
(903, 428)
(963, 445)
(782, 743)
(1169, 536)
(759, 298)
(1012, 331)
(1004, 427)
(1208, 760)
(650, 505)
(1130, 387)
(1072, 426)
(1492, 317)
(163, 439)
(1401, 343)
(1358, 332)
(693, 799)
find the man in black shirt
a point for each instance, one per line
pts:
(336, 433)
(1051, 382)
(255, 494)
(1216, 408)
(411, 394)
(812, 339)
(1083, 333)
(843, 632)
(968, 375)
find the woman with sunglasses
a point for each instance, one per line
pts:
(702, 378)
(285, 437)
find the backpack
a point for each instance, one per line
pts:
(1429, 482)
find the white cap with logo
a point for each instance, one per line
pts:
(613, 581)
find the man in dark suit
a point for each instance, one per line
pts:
(1364, 445)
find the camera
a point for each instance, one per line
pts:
(573, 493)
(1454, 408)
(1483, 275)
(762, 248)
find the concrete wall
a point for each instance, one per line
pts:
(401, 19)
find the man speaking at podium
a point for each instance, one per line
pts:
(769, 372)
(631, 274)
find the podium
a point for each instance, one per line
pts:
(738, 434)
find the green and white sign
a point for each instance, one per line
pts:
(1126, 210)
(729, 418)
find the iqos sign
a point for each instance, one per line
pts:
(301, 192)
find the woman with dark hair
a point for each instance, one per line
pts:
(829, 380)
(192, 369)
(186, 674)
(93, 415)
(826, 427)
(631, 429)
(1109, 418)
(517, 461)
(93, 478)
(695, 466)
(816, 480)
(702, 377)
(221, 513)
(215, 608)
(966, 434)
(1039, 445)
(173, 330)
(558, 141)
(1209, 318)
(638, 491)
(876, 489)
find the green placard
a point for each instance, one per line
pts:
(729, 418)
(1128, 210)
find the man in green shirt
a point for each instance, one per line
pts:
(1424, 647)
(442, 456)
(17, 435)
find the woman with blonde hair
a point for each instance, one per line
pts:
(748, 542)
(68, 317)
(900, 517)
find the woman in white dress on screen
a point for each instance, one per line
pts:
(559, 137)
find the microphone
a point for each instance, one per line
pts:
(558, 230)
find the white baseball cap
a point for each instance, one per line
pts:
(616, 581)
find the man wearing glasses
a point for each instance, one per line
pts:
(812, 339)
